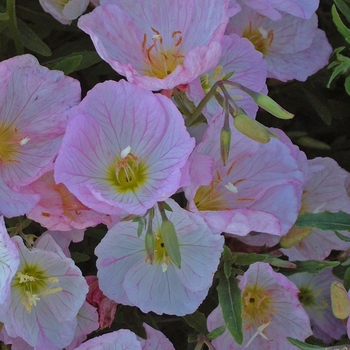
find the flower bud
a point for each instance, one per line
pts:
(251, 128)
(294, 236)
(149, 244)
(270, 105)
(171, 242)
(340, 301)
(225, 142)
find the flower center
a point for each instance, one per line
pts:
(257, 306)
(128, 173)
(161, 60)
(259, 37)
(10, 143)
(215, 196)
(33, 284)
(63, 2)
(161, 255)
(209, 79)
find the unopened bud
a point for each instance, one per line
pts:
(171, 242)
(225, 142)
(149, 244)
(294, 236)
(251, 128)
(270, 105)
(340, 301)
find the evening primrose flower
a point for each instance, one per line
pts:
(65, 10)
(249, 192)
(127, 275)
(33, 106)
(46, 294)
(9, 262)
(315, 297)
(123, 150)
(271, 312)
(288, 44)
(161, 45)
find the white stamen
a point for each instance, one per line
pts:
(164, 267)
(231, 187)
(125, 152)
(259, 331)
(156, 37)
(263, 32)
(318, 209)
(24, 141)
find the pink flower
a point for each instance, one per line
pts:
(65, 10)
(294, 48)
(127, 276)
(33, 119)
(9, 261)
(123, 150)
(273, 8)
(106, 307)
(271, 312)
(60, 210)
(161, 45)
(315, 298)
(46, 295)
(250, 192)
(248, 67)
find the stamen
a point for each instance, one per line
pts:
(125, 152)
(144, 42)
(259, 331)
(231, 167)
(231, 187)
(24, 141)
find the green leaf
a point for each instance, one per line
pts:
(304, 346)
(347, 279)
(197, 321)
(167, 206)
(248, 258)
(30, 39)
(342, 29)
(347, 85)
(339, 221)
(68, 64)
(314, 266)
(231, 304)
(280, 263)
(216, 333)
(342, 237)
(4, 16)
(344, 9)
(80, 257)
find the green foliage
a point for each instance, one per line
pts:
(197, 321)
(339, 221)
(231, 304)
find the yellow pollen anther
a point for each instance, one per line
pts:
(24, 278)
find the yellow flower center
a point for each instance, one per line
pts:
(10, 143)
(161, 255)
(259, 37)
(215, 196)
(257, 306)
(33, 284)
(160, 61)
(208, 80)
(128, 173)
(63, 2)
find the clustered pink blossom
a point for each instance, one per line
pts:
(114, 156)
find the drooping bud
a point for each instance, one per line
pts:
(252, 128)
(171, 242)
(149, 244)
(225, 135)
(340, 301)
(294, 236)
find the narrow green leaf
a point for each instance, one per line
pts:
(231, 304)
(227, 269)
(347, 85)
(216, 333)
(344, 9)
(347, 279)
(314, 266)
(197, 321)
(245, 259)
(304, 346)
(339, 221)
(167, 206)
(31, 40)
(342, 237)
(68, 64)
(342, 29)
(280, 263)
